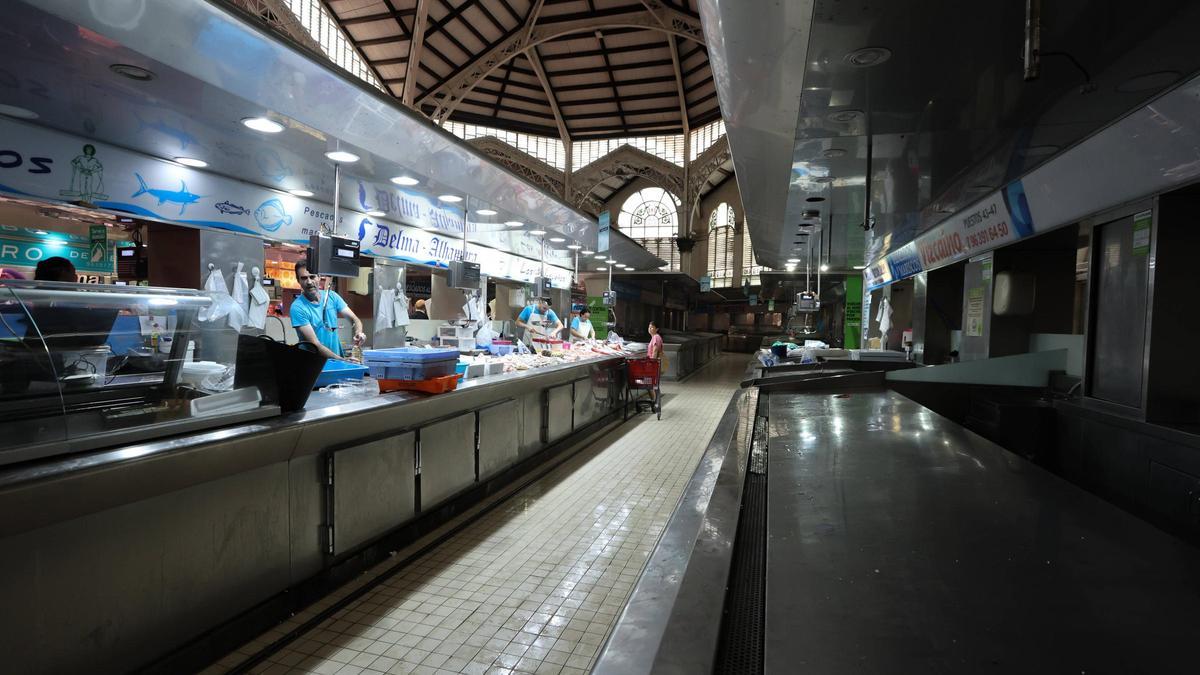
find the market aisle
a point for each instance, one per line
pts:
(535, 585)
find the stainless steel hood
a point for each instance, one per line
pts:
(935, 91)
(208, 70)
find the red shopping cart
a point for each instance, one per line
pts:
(644, 376)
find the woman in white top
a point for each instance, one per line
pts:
(581, 327)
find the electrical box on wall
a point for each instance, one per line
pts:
(463, 275)
(333, 256)
(541, 287)
(609, 298)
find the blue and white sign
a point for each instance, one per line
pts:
(602, 234)
(71, 169)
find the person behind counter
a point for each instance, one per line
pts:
(315, 317)
(581, 326)
(419, 310)
(534, 320)
(55, 269)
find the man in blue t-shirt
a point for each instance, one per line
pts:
(539, 321)
(315, 315)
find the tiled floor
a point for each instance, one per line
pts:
(535, 585)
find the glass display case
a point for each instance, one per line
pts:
(86, 366)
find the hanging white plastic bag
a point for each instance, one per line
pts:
(219, 292)
(241, 299)
(259, 300)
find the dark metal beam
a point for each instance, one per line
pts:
(382, 16)
(503, 85)
(627, 98)
(626, 49)
(400, 60)
(628, 113)
(658, 63)
(620, 83)
(513, 111)
(548, 19)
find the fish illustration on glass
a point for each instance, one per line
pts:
(87, 177)
(271, 215)
(184, 138)
(181, 196)
(271, 165)
(230, 209)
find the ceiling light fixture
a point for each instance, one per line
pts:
(814, 200)
(587, 252)
(341, 156)
(867, 57)
(601, 269)
(192, 162)
(405, 180)
(132, 72)
(301, 193)
(574, 247)
(452, 199)
(514, 223)
(537, 233)
(263, 124)
(557, 240)
(844, 116)
(376, 213)
(485, 212)
(980, 188)
(860, 267)
(793, 260)
(834, 153)
(824, 268)
(610, 260)
(41, 232)
(17, 112)
(825, 179)
(601, 256)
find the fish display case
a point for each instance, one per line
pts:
(86, 366)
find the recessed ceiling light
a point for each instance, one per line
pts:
(132, 72)
(574, 247)
(557, 240)
(1148, 82)
(41, 232)
(868, 56)
(610, 260)
(602, 269)
(376, 213)
(833, 153)
(814, 200)
(263, 124)
(810, 213)
(793, 260)
(844, 116)
(825, 179)
(453, 199)
(514, 223)
(341, 156)
(537, 233)
(587, 252)
(301, 193)
(192, 162)
(601, 256)
(405, 180)
(860, 267)
(18, 112)
(824, 268)
(980, 188)
(485, 212)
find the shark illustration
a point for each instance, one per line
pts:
(181, 196)
(185, 139)
(230, 209)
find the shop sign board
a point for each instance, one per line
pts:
(973, 321)
(605, 222)
(705, 284)
(853, 315)
(19, 253)
(600, 314)
(877, 274)
(74, 169)
(904, 262)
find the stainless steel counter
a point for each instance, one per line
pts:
(190, 531)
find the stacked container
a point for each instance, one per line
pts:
(410, 363)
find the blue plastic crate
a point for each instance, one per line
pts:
(336, 371)
(409, 355)
(393, 370)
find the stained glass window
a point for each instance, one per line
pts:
(750, 271)
(720, 245)
(650, 217)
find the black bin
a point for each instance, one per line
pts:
(284, 374)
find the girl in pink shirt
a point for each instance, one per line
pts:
(654, 350)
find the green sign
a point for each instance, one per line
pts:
(1141, 232)
(19, 253)
(771, 305)
(599, 312)
(98, 249)
(854, 310)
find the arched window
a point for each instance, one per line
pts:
(720, 245)
(750, 271)
(650, 216)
